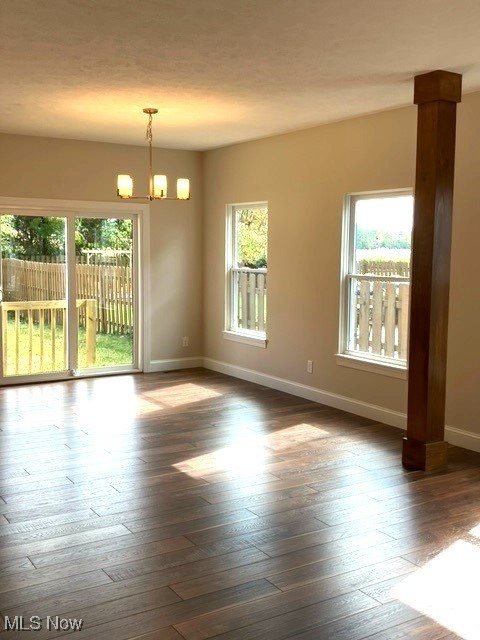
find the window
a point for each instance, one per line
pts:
(246, 300)
(376, 279)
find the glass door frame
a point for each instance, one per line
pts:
(71, 210)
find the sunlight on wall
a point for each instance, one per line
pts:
(446, 589)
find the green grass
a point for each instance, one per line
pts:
(111, 350)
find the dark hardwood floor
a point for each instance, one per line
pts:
(193, 505)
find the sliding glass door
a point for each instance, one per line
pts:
(68, 295)
(104, 268)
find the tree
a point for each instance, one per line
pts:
(103, 233)
(28, 236)
(378, 239)
(252, 230)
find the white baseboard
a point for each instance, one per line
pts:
(455, 436)
(364, 409)
(461, 438)
(458, 437)
(174, 364)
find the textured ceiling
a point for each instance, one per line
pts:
(220, 71)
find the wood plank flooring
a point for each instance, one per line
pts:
(193, 505)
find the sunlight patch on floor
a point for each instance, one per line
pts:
(245, 457)
(446, 589)
(107, 414)
(144, 406)
(293, 436)
(180, 394)
(111, 418)
(249, 452)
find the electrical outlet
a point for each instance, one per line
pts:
(186, 341)
(309, 366)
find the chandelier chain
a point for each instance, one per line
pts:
(149, 135)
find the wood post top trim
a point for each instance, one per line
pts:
(438, 85)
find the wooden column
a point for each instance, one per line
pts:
(436, 95)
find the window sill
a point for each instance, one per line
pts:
(253, 338)
(372, 366)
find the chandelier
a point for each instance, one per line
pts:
(157, 185)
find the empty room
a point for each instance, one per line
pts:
(239, 368)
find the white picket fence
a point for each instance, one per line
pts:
(380, 310)
(250, 298)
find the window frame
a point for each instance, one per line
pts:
(231, 331)
(346, 357)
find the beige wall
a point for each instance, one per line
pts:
(304, 176)
(32, 167)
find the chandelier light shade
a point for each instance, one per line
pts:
(160, 186)
(157, 184)
(124, 186)
(183, 189)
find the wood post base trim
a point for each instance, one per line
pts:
(424, 456)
